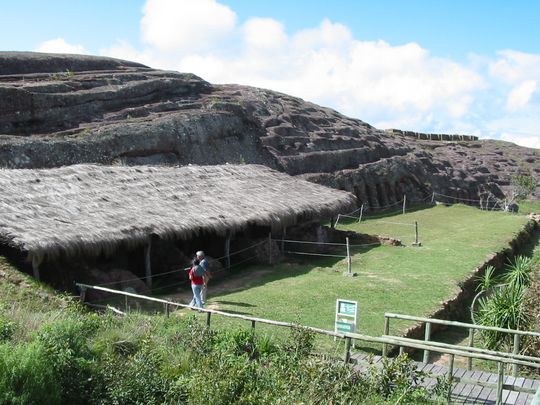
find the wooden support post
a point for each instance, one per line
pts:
(270, 248)
(228, 249)
(427, 337)
(283, 235)
(450, 377)
(471, 344)
(433, 197)
(35, 266)
(361, 213)
(208, 314)
(253, 325)
(347, 350)
(332, 222)
(126, 304)
(416, 232)
(515, 367)
(500, 381)
(147, 263)
(404, 202)
(386, 333)
(401, 350)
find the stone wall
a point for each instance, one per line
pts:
(432, 137)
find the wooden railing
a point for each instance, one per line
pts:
(385, 340)
(471, 328)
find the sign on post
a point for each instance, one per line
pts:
(346, 316)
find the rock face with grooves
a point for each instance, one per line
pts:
(64, 109)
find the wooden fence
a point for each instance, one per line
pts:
(471, 329)
(385, 340)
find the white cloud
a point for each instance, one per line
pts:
(264, 34)
(514, 67)
(185, 25)
(520, 95)
(59, 45)
(530, 141)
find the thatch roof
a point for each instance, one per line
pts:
(92, 209)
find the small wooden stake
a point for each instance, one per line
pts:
(228, 249)
(450, 377)
(500, 382)
(386, 332)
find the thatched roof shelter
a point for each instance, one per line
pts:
(92, 209)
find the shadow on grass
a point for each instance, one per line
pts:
(233, 303)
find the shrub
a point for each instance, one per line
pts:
(27, 376)
(7, 328)
(133, 380)
(65, 342)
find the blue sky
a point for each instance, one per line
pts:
(448, 66)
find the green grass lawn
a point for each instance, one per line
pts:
(407, 279)
(526, 207)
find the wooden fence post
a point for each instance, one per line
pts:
(167, 310)
(500, 382)
(208, 314)
(283, 236)
(347, 349)
(332, 222)
(471, 344)
(515, 367)
(386, 332)
(361, 213)
(404, 202)
(433, 197)
(253, 325)
(427, 337)
(349, 270)
(450, 377)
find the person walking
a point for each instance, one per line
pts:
(196, 276)
(203, 262)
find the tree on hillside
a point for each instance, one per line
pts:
(523, 185)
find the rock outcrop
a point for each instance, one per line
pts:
(64, 109)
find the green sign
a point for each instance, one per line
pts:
(346, 316)
(344, 326)
(347, 308)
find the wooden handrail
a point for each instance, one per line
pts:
(461, 324)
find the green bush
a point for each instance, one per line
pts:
(136, 379)
(65, 342)
(7, 328)
(28, 376)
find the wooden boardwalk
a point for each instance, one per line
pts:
(465, 393)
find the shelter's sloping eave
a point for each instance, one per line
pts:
(92, 209)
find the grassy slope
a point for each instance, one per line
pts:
(399, 279)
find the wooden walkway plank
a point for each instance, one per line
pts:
(523, 399)
(511, 399)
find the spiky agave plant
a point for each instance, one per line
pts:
(519, 272)
(504, 309)
(487, 280)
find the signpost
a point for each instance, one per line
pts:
(346, 316)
